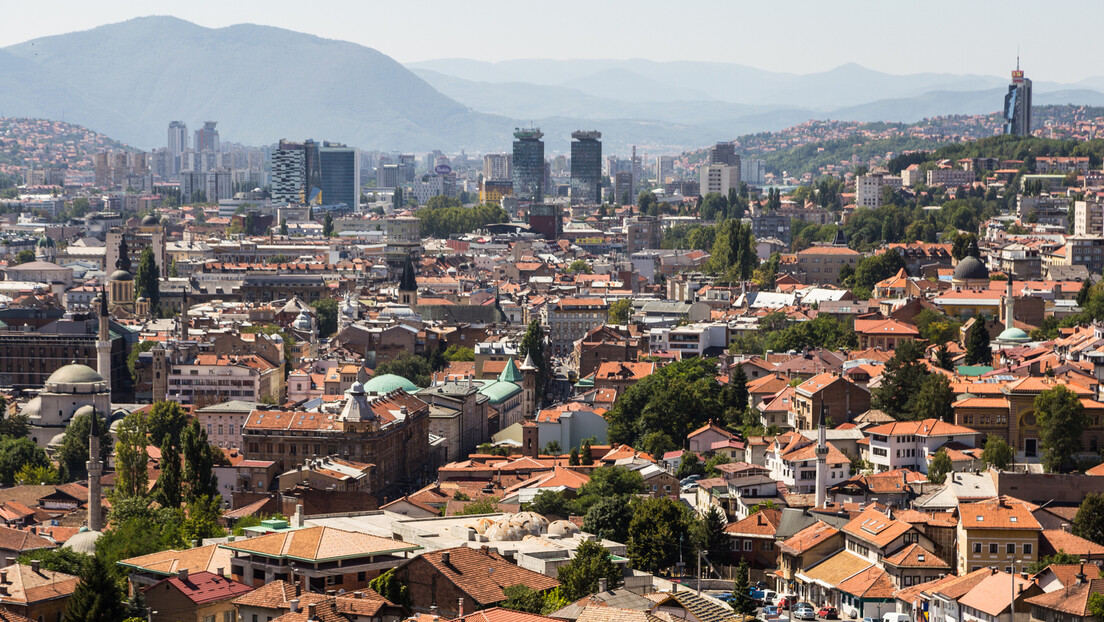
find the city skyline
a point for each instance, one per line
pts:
(949, 46)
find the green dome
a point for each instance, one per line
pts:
(1014, 335)
(45, 241)
(499, 391)
(387, 383)
(75, 373)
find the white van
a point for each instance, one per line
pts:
(896, 617)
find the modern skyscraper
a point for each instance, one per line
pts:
(724, 153)
(177, 143)
(1017, 104)
(289, 173)
(586, 166)
(340, 175)
(528, 164)
(665, 168)
(408, 166)
(207, 138)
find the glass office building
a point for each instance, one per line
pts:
(528, 164)
(586, 166)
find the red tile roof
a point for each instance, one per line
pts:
(203, 587)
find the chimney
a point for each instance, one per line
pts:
(298, 590)
(1081, 574)
(445, 558)
(311, 611)
(34, 566)
(294, 605)
(220, 571)
(602, 584)
(3, 576)
(461, 607)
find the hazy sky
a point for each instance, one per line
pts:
(1056, 40)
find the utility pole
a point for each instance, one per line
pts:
(699, 573)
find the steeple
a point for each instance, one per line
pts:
(821, 492)
(95, 472)
(408, 286)
(1009, 304)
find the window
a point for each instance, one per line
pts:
(1010, 549)
(992, 548)
(747, 545)
(228, 616)
(1027, 549)
(208, 618)
(977, 547)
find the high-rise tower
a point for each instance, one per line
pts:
(528, 164)
(177, 143)
(586, 166)
(1017, 104)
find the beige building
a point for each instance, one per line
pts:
(720, 178)
(821, 265)
(999, 532)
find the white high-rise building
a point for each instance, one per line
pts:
(288, 175)
(720, 178)
(496, 167)
(177, 144)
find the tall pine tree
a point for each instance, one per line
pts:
(148, 280)
(199, 463)
(168, 485)
(97, 596)
(978, 350)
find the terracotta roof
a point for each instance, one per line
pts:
(316, 544)
(498, 614)
(915, 556)
(1060, 540)
(872, 526)
(20, 541)
(872, 583)
(27, 586)
(999, 513)
(926, 427)
(838, 568)
(469, 570)
(809, 537)
(204, 558)
(993, 594)
(273, 595)
(203, 587)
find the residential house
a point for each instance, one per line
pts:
(199, 596)
(884, 334)
(828, 396)
(701, 440)
(998, 532)
(1067, 605)
(448, 581)
(34, 592)
(792, 460)
(620, 375)
(276, 600)
(752, 539)
(911, 444)
(805, 548)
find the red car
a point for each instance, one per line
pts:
(828, 613)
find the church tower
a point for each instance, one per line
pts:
(408, 286)
(529, 386)
(103, 341)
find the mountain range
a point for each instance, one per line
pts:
(129, 79)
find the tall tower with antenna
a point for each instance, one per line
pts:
(1017, 104)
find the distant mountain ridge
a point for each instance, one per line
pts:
(128, 80)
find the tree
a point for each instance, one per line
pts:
(552, 448)
(741, 600)
(36, 475)
(580, 576)
(392, 588)
(283, 227)
(580, 265)
(656, 534)
(1061, 420)
(25, 256)
(522, 598)
(997, 453)
(690, 464)
(713, 461)
(486, 505)
(573, 458)
(943, 357)
(202, 520)
(610, 481)
(1061, 558)
(738, 389)
(97, 597)
(147, 281)
(131, 458)
(935, 399)
(166, 418)
(587, 457)
(72, 455)
(709, 533)
(199, 463)
(132, 358)
(532, 345)
(940, 465)
(551, 503)
(169, 492)
(902, 379)
(674, 400)
(620, 311)
(1088, 522)
(326, 309)
(414, 368)
(1083, 293)
(59, 560)
(609, 518)
(17, 453)
(459, 353)
(978, 350)
(328, 225)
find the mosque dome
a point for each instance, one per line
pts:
(971, 269)
(75, 373)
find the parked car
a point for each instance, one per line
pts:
(828, 613)
(896, 617)
(803, 605)
(804, 613)
(769, 596)
(690, 478)
(871, 620)
(689, 487)
(770, 611)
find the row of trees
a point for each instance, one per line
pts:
(444, 217)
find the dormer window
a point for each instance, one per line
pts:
(980, 518)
